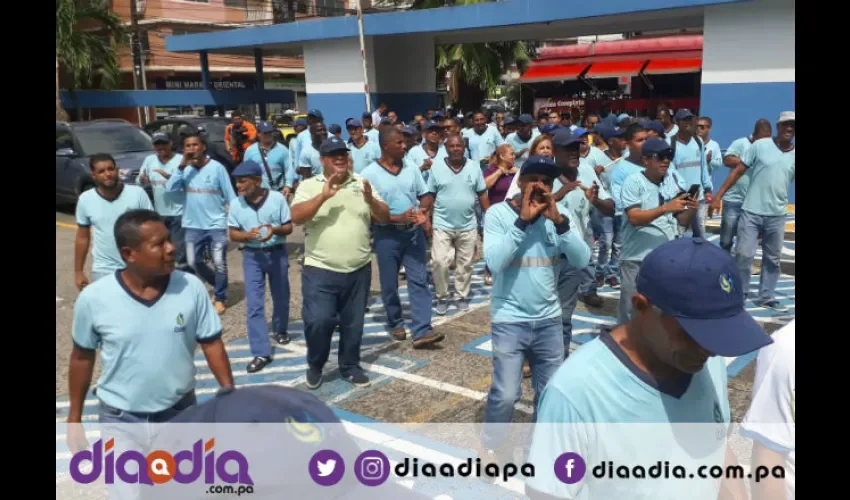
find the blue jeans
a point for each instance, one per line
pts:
(609, 246)
(698, 222)
(256, 265)
(570, 280)
(772, 229)
(628, 288)
(178, 237)
(134, 431)
(542, 343)
(404, 248)
(331, 298)
(729, 223)
(215, 242)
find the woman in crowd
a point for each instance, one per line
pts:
(497, 178)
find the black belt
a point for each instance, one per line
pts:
(399, 227)
(272, 248)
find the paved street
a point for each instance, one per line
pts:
(445, 384)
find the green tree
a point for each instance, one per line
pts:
(475, 68)
(87, 38)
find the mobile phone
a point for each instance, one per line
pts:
(693, 192)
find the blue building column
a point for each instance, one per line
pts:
(405, 77)
(748, 69)
(205, 80)
(258, 64)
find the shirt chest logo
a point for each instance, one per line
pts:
(179, 324)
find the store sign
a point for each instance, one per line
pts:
(559, 105)
(216, 84)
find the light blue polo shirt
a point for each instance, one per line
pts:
(576, 202)
(691, 165)
(454, 206)
(417, 155)
(481, 146)
(738, 191)
(208, 192)
(596, 157)
(514, 140)
(669, 136)
(372, 134)
(525, 263)
(640, 192)
(95, 211)
(147, 348)
(167, 204)
(311, 158)
(278, 159)
(772, 173)
(271, 209)
(619, 173)
(600, 405)
(365, 155)
(401, 191)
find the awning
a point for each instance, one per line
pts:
(614, 69)
(670, 66)
(553, 72)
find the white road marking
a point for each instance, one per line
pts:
(59, 299)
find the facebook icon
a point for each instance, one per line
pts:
(570, 468)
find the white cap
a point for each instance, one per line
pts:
(786, 116)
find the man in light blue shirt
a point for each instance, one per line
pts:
(654, 207)
(363, 150)
(665, 116)
(733, 200)
(610, 235)
(259, 218)
(522, 139)
(457, 183)
(278, 171)
(577, 189)
(618, 405)
(310, 162)
(525, 238)
(483, 140)
(401, 240)
(99, 208)
(301, 125)
(690, 164)
(713, 155)
(305, 137)
(423, 156)
(167, 204)
(772, 165)
(369, 130)
(146, 320)
(208, 191)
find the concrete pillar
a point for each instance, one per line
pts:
(260, 83)
(400, 73)
(205, 80)
(748, 68)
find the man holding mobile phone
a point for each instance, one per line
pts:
(654, 207)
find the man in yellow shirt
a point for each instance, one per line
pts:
(337, 209)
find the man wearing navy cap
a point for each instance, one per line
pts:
(525, 239)
(156, 170)
(654, 208)
(335, 129)
(369, 128)
(664, 366)
(521, 140)
(665, 115)
(610, 235)
(410, 134)
(363, 149)
(423, 156)
(259, 218)
(310, 163)
(305, 138)
(337, 208)
(691, 165)
(278, 172)
(483, 140)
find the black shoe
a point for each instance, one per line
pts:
(282, 338)
(258, 364)
(314, 379)
(359, 379)
(592, 299)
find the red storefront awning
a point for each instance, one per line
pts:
(614, 69)
(552, 72)
(670, 66)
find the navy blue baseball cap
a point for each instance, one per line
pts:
(248, 168)
(438, 115)
(608, 132)
(683, 114)
(352, 123)
(332, 145)
(366, 114)
(385, 121)
(542, 165)
(409, 130)
(549, 128)
(580, 131)
(654, 146)
(432, 125)
(335, 128)
(302, 122)
(160, 137)
(265, 127)
(698, 284)
(656, 126)
(278, 430)
(315, 113)
(564, 138)
(525, 119)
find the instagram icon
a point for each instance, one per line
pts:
(372, 468)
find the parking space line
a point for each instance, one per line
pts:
(66, 225)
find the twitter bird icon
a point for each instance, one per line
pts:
(326, 468)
